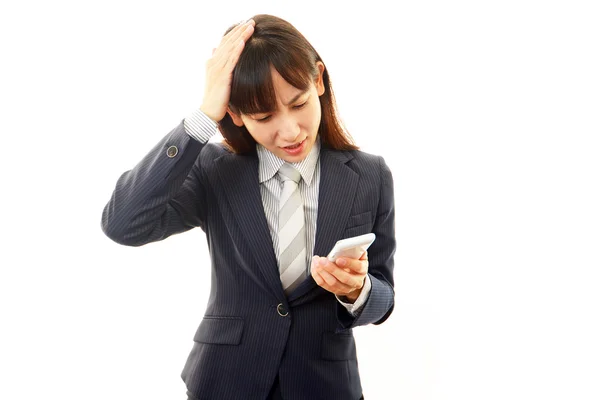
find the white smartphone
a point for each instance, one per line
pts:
(352, 247)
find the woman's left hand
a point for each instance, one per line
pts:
(344, 277)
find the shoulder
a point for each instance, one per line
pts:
(212, 151)
(217, 155)
(372, 167)
(365, 157)
(361, 159)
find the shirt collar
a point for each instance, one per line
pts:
(269, 163)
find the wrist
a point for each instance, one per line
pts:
(352, 296)
(210, 114)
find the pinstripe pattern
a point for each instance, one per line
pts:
(250, 332)
(270, 190)
(201, 128)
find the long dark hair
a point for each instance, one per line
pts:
(275, 42)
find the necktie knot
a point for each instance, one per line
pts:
(289, 173)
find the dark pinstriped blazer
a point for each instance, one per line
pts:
(251, 332)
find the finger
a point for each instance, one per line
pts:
(232, 39)
(317, 269)
(328, 278)
(222, 51)
(317, 277)
(344, 276)
(356, 266)
(346, 279)
(235, 30)
(229, 52)
(234, 56)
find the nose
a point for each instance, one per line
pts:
(289, 130)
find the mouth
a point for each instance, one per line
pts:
(295, 148)
(294, 145)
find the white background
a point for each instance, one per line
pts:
(486, 112)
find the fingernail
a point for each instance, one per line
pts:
(341, 261)
(323, 261)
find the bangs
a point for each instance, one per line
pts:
(252, 90)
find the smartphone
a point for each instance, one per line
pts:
(352, 247)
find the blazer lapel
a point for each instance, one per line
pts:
(337, 190)
(239, 175)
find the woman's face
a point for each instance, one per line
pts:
(296, 120)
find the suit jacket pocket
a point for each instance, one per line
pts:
(338, 346)
(359, 219)
(220, 330)
(358, 224)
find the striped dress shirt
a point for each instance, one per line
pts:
(200, 127)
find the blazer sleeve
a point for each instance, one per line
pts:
(380, 303)
(162, 195)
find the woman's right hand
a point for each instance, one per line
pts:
(219, 70)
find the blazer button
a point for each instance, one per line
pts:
(281, 310)
(172, 151)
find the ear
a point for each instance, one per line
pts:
(319, 79)
(237, 120)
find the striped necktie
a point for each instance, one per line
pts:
(291, 233)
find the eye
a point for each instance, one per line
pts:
(300, 105)
(268, 117)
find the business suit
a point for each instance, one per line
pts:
(251, 333)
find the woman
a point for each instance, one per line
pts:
(285, 185)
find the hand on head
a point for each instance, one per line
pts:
(219, 70)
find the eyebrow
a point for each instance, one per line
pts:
(296, 97)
